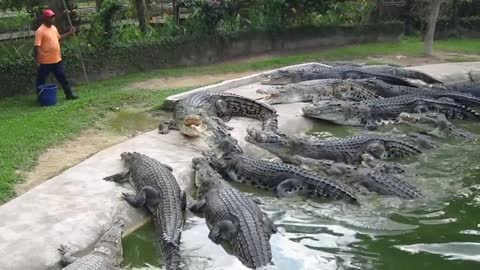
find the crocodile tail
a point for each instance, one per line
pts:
(386, 78)
(245, 107)
(385, 184)
(413, 74)
(454, 110)
(327, 187)
(399, 149)
(465, 98)
(171, 255)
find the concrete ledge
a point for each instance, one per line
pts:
(451, 72)
(76, 206)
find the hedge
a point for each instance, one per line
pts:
(18, 76)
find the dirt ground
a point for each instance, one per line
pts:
(92, 141)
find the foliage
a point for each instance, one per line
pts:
(102, 30)
(20, 21)
(348, 12)
(19, 4)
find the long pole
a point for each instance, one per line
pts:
(78, 52)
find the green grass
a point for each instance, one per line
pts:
(26, 129)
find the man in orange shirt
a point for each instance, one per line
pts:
(48, 53)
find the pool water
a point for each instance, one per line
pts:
(439, 231)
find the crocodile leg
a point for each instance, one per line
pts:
(221, 123)
(166, 126)
(183, 200)
(198, 206)
(223, 230)
(290, 188)
(147, 196)
(222, 110)
(67, 257)
(118, 177)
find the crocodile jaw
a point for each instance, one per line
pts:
(192, 125)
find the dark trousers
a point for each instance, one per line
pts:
(58, 70)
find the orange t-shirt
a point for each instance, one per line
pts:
(48, 39)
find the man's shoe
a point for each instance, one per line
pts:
(72, 97)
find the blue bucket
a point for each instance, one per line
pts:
(47, 94)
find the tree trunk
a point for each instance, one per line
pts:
(60, 15)
(378, 11)
(432, 21)
(98, 4)
(141, 8)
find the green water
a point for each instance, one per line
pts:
(131, 120)
(439, 231)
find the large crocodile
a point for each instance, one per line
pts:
(106, 255)
(374, 179)
(372, 113)
(159, 192)
(348, 150)
(387, 90)
(281, 77)
(403, 73)
(287, 180)
(232, 217)
(317, 89)
(397, 71)
(190, 113)
(435, 124)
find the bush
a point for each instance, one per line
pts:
(470, 23)
(21, 21)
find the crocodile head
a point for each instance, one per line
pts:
(205, 176)
(192, 125)
(373, 84)
(130, 157)
(219, 138)
(274, 142)
(110, 244)
(280, 77)
(280, 94)
(340, 112)
(435, 124)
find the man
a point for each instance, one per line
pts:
(48, 53)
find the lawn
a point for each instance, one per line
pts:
(26, 129)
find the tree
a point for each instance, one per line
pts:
(432, 21)
(98, 4)
(141, 8)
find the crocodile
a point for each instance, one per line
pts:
(232, 217)
(348, 150)
(370, 114)
(317, 89)
(157, 190)
(190, 113)
(287, 180)
(403, 73)
(387, 90)
(282, 77)
(434, 124)
(106, 255)
(397, 71)
(374, 180)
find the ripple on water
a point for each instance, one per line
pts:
(452, 251)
